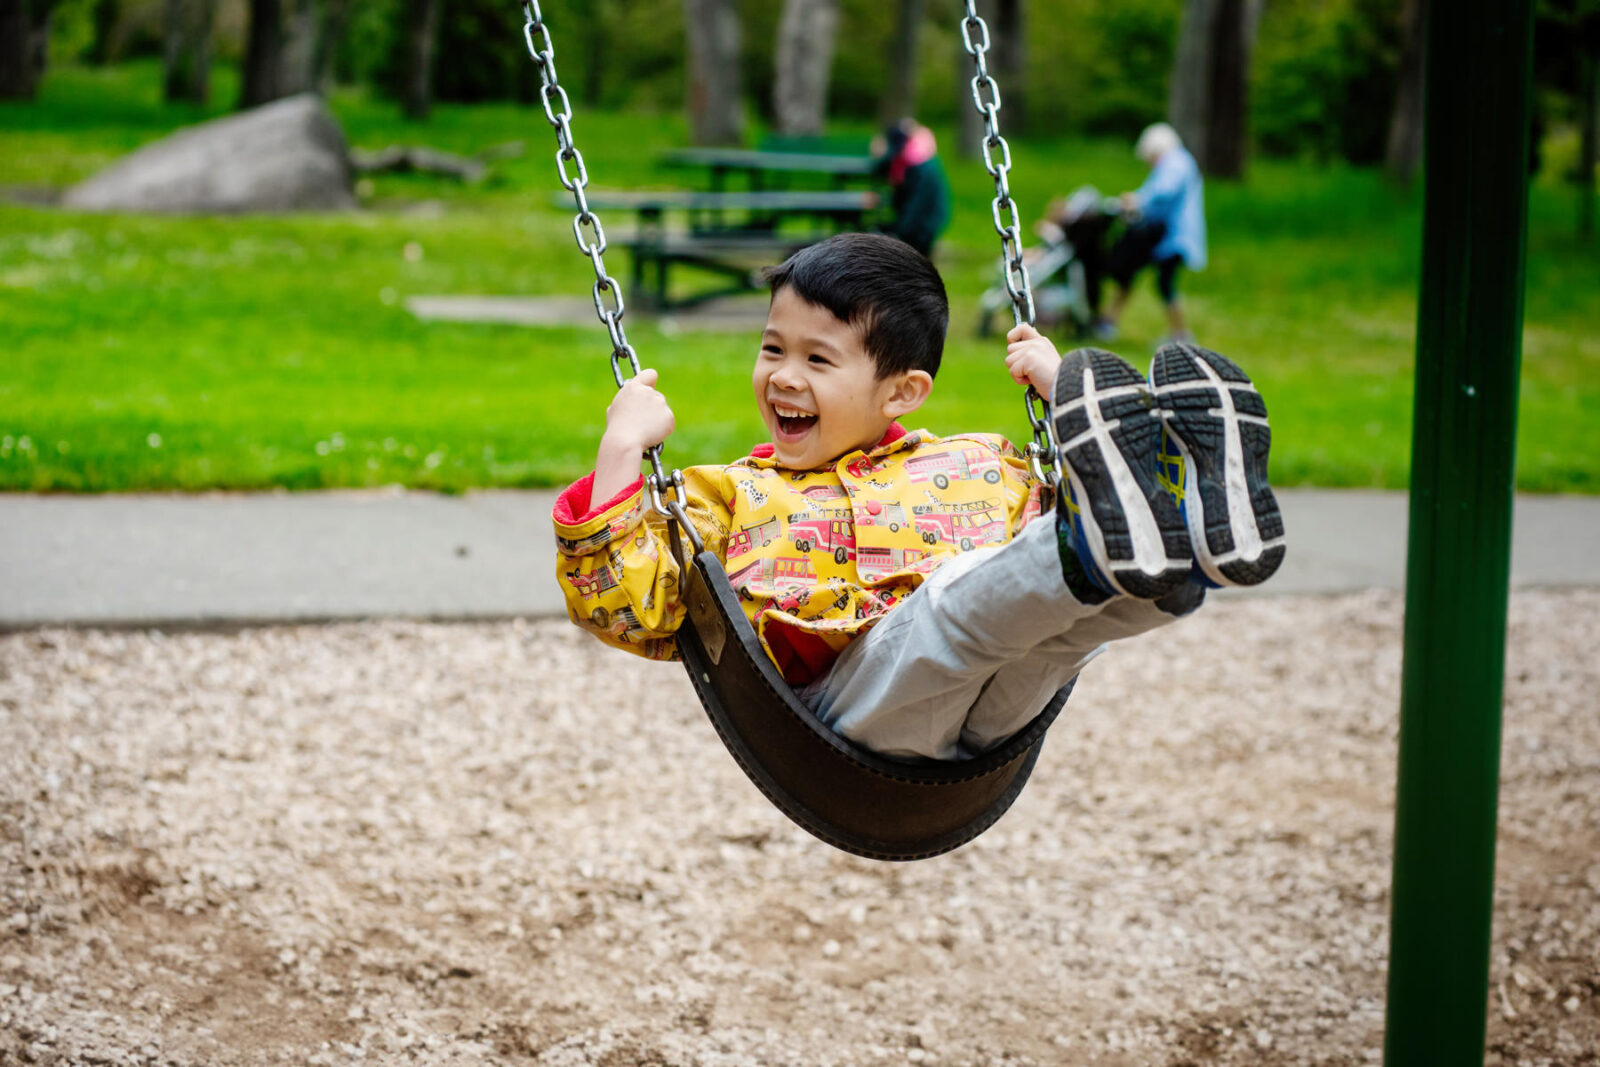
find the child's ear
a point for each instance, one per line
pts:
(908, 393)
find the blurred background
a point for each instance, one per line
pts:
(145, 349)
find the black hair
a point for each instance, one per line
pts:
(880, 285)
(896, 137)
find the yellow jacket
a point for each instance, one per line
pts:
(816, 556)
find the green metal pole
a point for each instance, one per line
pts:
(1469, 344)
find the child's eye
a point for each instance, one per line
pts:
(823, 360)
(774, 349)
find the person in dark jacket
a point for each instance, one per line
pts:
(908, 156)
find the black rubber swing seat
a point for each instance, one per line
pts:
(848, 796)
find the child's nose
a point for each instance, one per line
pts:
(787, 377)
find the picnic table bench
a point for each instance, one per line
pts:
(729, 234)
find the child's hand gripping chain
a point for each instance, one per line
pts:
(638, 419)
(1032, 359)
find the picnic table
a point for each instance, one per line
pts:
(761, 168)
(728, 234)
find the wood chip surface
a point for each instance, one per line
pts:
(404, 843)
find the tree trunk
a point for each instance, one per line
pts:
(1009, 61)
(103, 20)
(804, 58)
(300, 48)
(263, 54)
(200, 71)
(335, 21)
(39, 37)
(900, 97)
(1208, 99)
(1228, 140)
(716, 103)
(1189, 92)
(422, 30)
(16, 64)
(596, 49)
(172, 49)
(186, 57)
(1403, 155)
(970, 135)
(24, 46)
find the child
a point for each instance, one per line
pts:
(898, 580)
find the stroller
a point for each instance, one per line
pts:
(1067, 269)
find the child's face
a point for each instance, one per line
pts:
(818, 389)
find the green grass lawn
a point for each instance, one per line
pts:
(161, 353)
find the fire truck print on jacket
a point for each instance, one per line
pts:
(816, 556)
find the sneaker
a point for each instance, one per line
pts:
(1127, 533)
(1219, 423)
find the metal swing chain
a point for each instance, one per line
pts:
(591, 238)
(986, 98)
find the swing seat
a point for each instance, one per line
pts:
(848, 796)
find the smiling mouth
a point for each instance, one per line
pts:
(793, 423)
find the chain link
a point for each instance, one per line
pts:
(986, 99)
(608, 303)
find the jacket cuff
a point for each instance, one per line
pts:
(582, 526)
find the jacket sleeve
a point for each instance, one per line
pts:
(926, 207)
(1024, 493)
(1024, 500)
(1162, 192)
(615, 563)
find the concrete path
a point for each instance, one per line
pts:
(226, 559)
(739, 314)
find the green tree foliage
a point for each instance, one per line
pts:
(1121, 57)
(480, 54)
(105, 31)
(1326, 74)
(1325, 71)
(1567, 96)
(1566, 39)
(78, 29)
(1565, 31)
(609, 53)
(364, 54)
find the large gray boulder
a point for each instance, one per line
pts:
(289, 155)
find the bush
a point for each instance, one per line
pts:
(1126, 51)
(608, 53)
(1098, 65)
(480, 55)
(1325, 77)
(104, 31)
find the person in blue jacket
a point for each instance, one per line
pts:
(1168, 229)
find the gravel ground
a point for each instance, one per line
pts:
(399, 843)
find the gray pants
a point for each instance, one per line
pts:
(974, 654)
